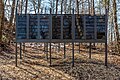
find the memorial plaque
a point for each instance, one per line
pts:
(33, 26)
(36, 27)
(100, 21)
(90, 33)
(79, 27)
(56, 27)
(21, 26)
(44, 27)
(67, 27)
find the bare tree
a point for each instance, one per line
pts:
(39, 5)
(26, 5)
(116, 25)
(77, 19)
(77, 7)
(65, 6)
(12, 14)
(89, 6)
(82, 6)
(56, 6)
(34, 5)
(69, 6)
(21, 6)
(92, 7)
(61, 6)
(1, 17)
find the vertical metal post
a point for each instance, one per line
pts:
(50, 31)
(72, 54)
(106, 54)
(27, 31)
(61, 26)
(20, 50)
(73, 26)
(44, 47)
(84, 23)
(95, 27)
(79, 47)
(47, 51)
(50, 54)
(50, 25)
(90, 51)
(58, 47)
(16, 36)
(27, 26)
(64, 51)
(16, 54)
(73, 36)
(106, 20)
(23, 47)
(38, 28)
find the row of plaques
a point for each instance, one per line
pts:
(34, 26)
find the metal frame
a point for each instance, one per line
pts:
(73, 40)
(61, 39)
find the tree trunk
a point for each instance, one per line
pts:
(56, 6)
(56, 14)
(61, 6)
(78, 20)
(21, 6)
(99, 7)
(39, 5)
(83, 11)
(1, 18)
(89, 6)
(5, 3)
(34, 3)
(116, 25)
(12, 13)
(92, 8)
(70, 1)
(53, 2)
(77, 7)
(26, 6)
(11, 22)
(65, 6)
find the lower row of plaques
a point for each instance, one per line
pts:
(67, 34)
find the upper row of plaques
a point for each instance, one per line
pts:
(34, 26)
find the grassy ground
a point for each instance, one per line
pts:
(35, 66)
